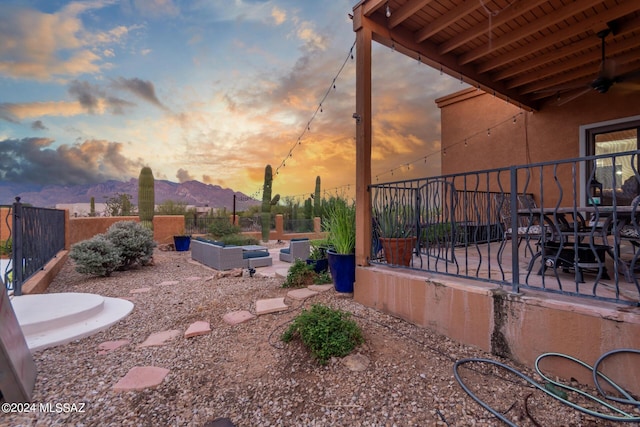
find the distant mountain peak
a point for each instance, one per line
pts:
(191, 192)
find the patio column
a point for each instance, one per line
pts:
(363, 137)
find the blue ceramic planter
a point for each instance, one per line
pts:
(343, 271)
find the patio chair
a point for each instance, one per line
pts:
(630, 233)
(529, 226)
(298, 249)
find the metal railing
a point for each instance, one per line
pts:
(549, 234)
(38, 234)
(298, 225)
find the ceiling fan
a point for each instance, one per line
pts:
(606, 77)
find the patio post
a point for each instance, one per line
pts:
(362, 117)
(513, 200)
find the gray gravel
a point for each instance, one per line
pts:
(246, 374)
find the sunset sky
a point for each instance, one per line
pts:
(211, 90)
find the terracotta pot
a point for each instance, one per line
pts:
(398, 250)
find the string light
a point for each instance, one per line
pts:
(388, 11)
(443, 151)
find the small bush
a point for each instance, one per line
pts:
(322, 278)
(300, 275)
(5, 247)
(238, 240)
(325, 332)
(134, 241)
(223, 227)
(97, 256)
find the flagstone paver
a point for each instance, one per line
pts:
(141, 377)
(108, 346)
(236, 317)
(197, 328)
(160, 338)
(168, 283)
(139, 290)
(272, 305)
(321, 288)
(301, 294)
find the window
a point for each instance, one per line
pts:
(618, 178)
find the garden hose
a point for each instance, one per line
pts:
(551, 388)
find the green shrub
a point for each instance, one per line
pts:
(325, 332)
(5, 247)
(97, 256)
(300, 275)
(223, 227)
(239, 240)
(322, 278)
(134, 241)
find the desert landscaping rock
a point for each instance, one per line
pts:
(246, 374)
(197, 328)
(271, 305)
(301, 294)
(236, 317)
(108, 346)
(141, 377)
(356, 362)
(140, 290)
(159, 338)
(321, 288)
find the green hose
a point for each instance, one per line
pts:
(551, 388)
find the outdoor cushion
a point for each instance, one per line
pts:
(299, 239)
(629, 231)
(254, 254)
(285, 250)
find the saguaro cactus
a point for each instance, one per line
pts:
(266, 203)
(146, 197)
(92, 209)
(316, 198)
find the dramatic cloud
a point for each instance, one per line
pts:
(16, 112)
(38, 125)
(48, 46)
(140, 88)
(184, 176)
(34, 160)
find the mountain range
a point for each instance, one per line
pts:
(190, 192)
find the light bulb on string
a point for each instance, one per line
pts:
(489, 131)
(514, 119)
(388, 11)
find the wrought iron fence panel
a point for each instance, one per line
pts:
(302, 225)
(38, 235)
(548, 226)
(6, 250)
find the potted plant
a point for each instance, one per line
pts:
(340, 226)
(395, 225)
(318, 256)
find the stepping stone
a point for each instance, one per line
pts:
(197, 328)
(108, 346)
(236, 317)
(168, 283)
(321, 288)
(160, 338)
(141, 377)
(301, 294)
(272, 305)
(139, 290)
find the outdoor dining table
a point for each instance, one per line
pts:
(604, 222)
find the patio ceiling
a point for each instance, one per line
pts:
(525, 51)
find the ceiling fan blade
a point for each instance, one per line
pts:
(563, 101)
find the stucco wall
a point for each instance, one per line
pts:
(549, 134)
(164, 227)
(511, 325)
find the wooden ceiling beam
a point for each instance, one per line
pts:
(506, 15)
(370, 6)
(447, 19)
(406, 11)
(403, 42)
(593, 57)
(538, 25)
(589, 25)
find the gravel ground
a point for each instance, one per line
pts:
(246, 374)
